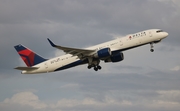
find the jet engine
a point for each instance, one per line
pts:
(115, 57)
(103, 53)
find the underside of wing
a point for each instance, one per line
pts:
(26, 68)
(73, 51)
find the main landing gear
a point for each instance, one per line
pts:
(94, 63)
(152, 50)
(96, 67)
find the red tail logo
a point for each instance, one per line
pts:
(27, 56)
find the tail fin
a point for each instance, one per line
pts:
(28, 56)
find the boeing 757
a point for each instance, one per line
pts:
(111, 51)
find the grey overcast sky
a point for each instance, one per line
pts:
(144, 81)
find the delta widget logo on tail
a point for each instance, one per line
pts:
(28, 56)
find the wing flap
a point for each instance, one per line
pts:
(26, 68)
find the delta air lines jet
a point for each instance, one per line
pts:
(111, 51)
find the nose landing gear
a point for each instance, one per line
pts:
(152, 50)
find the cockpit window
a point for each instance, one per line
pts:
(159, 31)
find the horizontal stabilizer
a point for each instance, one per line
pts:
(26, 68)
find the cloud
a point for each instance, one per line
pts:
(165, 99)
(90, 102)
(26, 99)
(170, 96)
(29, 99)
(70, 86)
(176, 68)
(176, 2)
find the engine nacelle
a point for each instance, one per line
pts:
(115, 57)
(103, 53)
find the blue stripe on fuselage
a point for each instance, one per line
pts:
(79, 62)
(73, 64)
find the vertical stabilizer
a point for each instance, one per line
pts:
(28, 56)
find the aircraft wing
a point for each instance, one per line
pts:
(74, 51)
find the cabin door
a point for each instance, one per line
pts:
(45, 65)
(150, 34)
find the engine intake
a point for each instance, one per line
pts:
(103, 53)
(115, 57)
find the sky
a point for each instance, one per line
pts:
(143, 81)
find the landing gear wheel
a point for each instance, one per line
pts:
(152, 50)
(95, 68)
(89, 67)
(99, 67)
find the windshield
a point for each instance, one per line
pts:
(159, 31)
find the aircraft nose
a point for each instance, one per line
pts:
(166, 34)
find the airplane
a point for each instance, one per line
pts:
(109, 52)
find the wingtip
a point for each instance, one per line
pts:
(52, 44)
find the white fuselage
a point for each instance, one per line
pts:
(120, 44)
